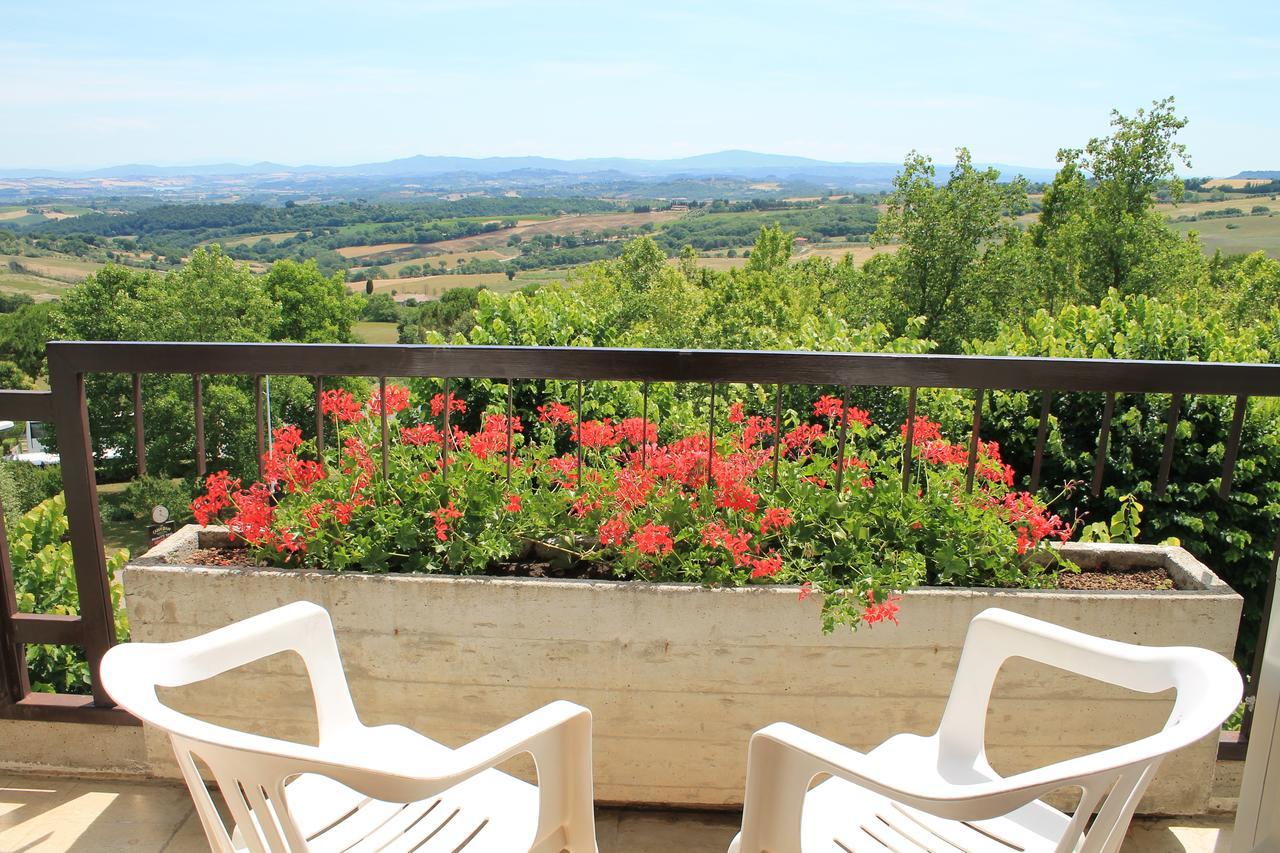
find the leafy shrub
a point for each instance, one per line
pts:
(44, 579)
(1235, 536)
(142, 495)
(23, 485)
(621, 501)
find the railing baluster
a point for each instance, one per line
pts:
(579, 481)
(444, 441)
(139, 433)
(844, 436)
(973, 440)
(1233, 447)
(1104, 438)
(198, 388)
(1042, 435)
(257, 419)
(510, 425)
(777, 430)
(1170, 436)
(644, 425)
(909, 438)
(386, 438)
(319, 419)
(711, 438)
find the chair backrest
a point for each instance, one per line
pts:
(1207, 686)
(250, 770)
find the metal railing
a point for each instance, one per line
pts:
(70, 362)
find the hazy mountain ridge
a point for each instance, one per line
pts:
(732, 163)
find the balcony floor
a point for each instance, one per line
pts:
(39, 814)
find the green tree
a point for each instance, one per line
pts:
(945, 231)
(211, 298)
(314, 308)
(1098, 230)
(23, 334)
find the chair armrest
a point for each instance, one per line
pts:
(784, 758)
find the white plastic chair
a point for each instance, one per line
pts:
(383, 788)
(938, 793)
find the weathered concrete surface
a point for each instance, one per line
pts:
(76, 748)
(678, 677)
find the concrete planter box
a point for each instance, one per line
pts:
(679, 676)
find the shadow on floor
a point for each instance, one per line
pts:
(41, 815)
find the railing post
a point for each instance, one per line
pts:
(13, 660)
(139, 430)
(97, 614)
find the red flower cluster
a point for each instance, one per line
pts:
(1032, 520)
(556, 413)
(614, 531)
(444, 518)
(802, 439)
(420, 435)
(775, 518)
(341, 405)
(832, 409)
(397, 400)
(653, 539)
(766, 567)
(885, 611)
(281, 463)
(455, 405)
(737, 543)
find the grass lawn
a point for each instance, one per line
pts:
(130, 534)
(377, 333)
(1236, 235)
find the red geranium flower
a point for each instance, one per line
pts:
(455, 405)
(397, 400)
(885, 611)
(653, 539)
(766, 567)
(614, 531)
(775, 518)
(339, 403)
(556, 413)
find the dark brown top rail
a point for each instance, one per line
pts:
(822, 368)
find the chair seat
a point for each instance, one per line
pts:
(492, 812)
(842, 817)
(839, 814)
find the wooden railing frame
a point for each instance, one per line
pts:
(70, 362)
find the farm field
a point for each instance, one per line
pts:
(254, 238)
(362, 251)
(39, 289)
(1194, 208)
(450, 259)
(370, 332)
(860, 251)
(1236, 235)
(1234, 183)
(53, 266)
(432, 286)
(42, 278)
(560, 225)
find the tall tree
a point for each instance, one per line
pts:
(945, 231)
(1098, 228)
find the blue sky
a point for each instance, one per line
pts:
(100, 83)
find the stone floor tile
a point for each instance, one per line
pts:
(1179, 835)
(642, 831)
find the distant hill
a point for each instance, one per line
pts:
(1264, 175)
(738, 164)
